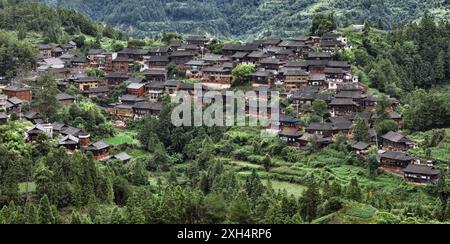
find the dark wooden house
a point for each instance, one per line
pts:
(396, 160)
(397, 142)
(421, 173)
(100, 150)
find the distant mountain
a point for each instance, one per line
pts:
(246, 18)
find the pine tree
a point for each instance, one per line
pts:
(31, 213)
(309, 202)
(116, 217)
(267, 162)
(45, 211)
(373, 165)
(447, 211)
(204, 183)
(439, 68)
(353, 191)
(326, 190)
(253, 185)
(336, 189)
(361, 130)
(4, 215)
(240, 212)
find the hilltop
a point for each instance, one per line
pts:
(245, 19)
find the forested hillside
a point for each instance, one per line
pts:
(244, 18)
(23, 25)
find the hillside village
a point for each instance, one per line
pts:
(303, 70)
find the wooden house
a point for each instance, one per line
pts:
(197, 40)
(39, 129)
(159, 51)
(96, 57)
(137, 89)
(45, 51)
(180, 58)
(155, 90)
(343, 106)
(217, 74)
(156, 75)
(143, 109)
(318, 80)
(24, 93)
(122, 65)
(134, 54)
(317, 141)
(122, 157)
(319, 56)
(121, 111)
(57, 52)
(262, 77)
(86, 83)
(116, 78)
(158, 61)
(397, 142)
(270, 63)
(171, 86)
(421, 173)
(65, 99)
(131, 99)
(100, 150)
(324, 129)
(396, 160)
(361, 148)
(295, 78)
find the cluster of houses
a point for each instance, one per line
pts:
(73, 139)
(301, 69)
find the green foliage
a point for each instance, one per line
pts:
(322, 24)
(215, 46)
(16, 56)
(309, 202)
(361, 130)
(87, 116)
(242, 74)
(427, 110)
(319, 108)
(44, 99)
(353, 191)
(245, 19)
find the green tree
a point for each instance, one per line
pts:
(31, 213)
(361, 130)
(439, 68)
(215, 46)
(242, 74)
(46, 89)
(46, 215)
(253, 185)
(240, 212)
(322, 24)
(116, 216)
(267, 162)
(309, 202)
(353, 191)
(319, 108)
(373, 165)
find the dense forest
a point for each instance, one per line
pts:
(24, 24)
(401, 61)
(245, 19)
